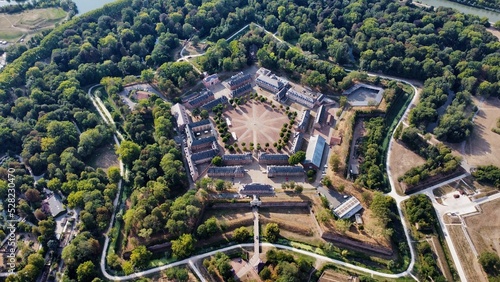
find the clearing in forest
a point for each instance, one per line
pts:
(14, 26)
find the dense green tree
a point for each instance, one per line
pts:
(14, 51)
(241, 234)
(208, 228)
(287, 31)
(488, 174)
(309, 43)
(140, 257)
(315, 78)
(220, 185)
(297, 158)
(184, 246)
(82, 248)
(128, 151)
(419, 209)
(86, 272)
(271, 232)
(180, 274)
(381, 208)
(92, 139)
(114, 174)
(217, 161)
(490, 263)
(204, 114)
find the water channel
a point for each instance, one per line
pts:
(83, 5)
(492, 16)
(88, 5)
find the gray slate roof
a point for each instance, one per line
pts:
(201, 141)
(203, 155)
(210, 105)
(231, 157)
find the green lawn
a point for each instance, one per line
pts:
(38, 16)
(10, 34)
(13, 26)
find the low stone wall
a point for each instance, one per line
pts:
(356, 245)
(301, 204)
(431, 181)
(230, 205)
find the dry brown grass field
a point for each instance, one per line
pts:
(344, 130)
(484, 228)
(297, 221)
(230, 218)
(104, 157)
(482, 147)
(402, 159)
(333, 276)
(468, 261)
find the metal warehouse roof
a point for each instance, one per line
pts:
(315, 149)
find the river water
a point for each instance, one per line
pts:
(88, 5)
(83, 5)
(492, 16)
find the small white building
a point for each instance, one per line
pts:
(211, 80)
(348, 208)
(359, 219)
(179, 112)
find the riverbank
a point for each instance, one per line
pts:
(82, 5)
(466, 3)
(491, 15)
(89, 5)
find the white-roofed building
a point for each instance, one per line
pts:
(314, 153)
(179, 112)
(348, 208)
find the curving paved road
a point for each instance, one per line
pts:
(106, 116)
(190, 260)
(399, 199)
(441, 210)
(103, 112)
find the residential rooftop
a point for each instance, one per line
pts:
(204, 155)
(238, 79)
(204, 96)
(234, 157)
(226, 170)
(210, 105)
(179, 112)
